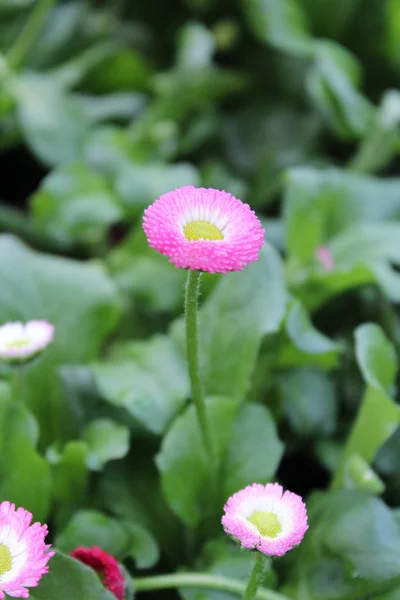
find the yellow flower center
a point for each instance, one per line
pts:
(5, 559)
(267, 523)
(202, 230)
(18, 343)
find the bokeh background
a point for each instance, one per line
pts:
(293, 107)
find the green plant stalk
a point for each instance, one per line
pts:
(255, 577)
(192, 357)
(204, 581)
(362, 440)
(22, 45)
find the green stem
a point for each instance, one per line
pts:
(192, 355)
(255, 577)
(201, 580)
(22, 45)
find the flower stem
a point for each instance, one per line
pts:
(192, 356)
(204, 581)
(29, 33)
(255, 577)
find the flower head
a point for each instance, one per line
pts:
(105, 565)
(20, 342)
(325, 258)
(204, 229)
(23, 553)
(266, 519)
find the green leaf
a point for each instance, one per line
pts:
(68, 578)
(74, 203)
(147, 275)
(253, 451)
(376, 357)
(148, 379)
(106, 440)
(380, 144)
(82, 303)
(196, 46)
(184, 467)
(378, 416)
(306, 344)
(360, 528)
(138, 185)
(280, 23)
(54, 124)
(144, 548)
(309, 401)
(70, 479)
(133, 493)
(320, 204)
(358, 474)
(24, 474)
(92, 528)
(332, 85)
(243, 308)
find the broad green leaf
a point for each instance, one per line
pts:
(74, 203)
(184, 466)
(253, 452)
(68, 578)
(147, 275)
(360, 528)
(381, 142)
(70, 479)
(133, 493)
(319, 204)
(303, 334)
(196, 46)
(54, 124)
(92, 528)
(332, 84)
(358, 474)
(378, 415)
(280, 23)
(107, 148)
(305, 343)
(147, 378)
(309, 401)
(243, 308)
(82, 303)
(143, 547)
(106, 440)
(24, 474)
(138, 185)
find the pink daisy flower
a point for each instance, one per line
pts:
(23, 553)
(20, 341)
(204, 229)
(105, 565)
(266, 519)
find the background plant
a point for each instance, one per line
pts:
(292, 106)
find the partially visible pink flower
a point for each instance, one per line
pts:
(264, 518)
(325, 258)
(105, 565)
(204, 229)
(23, 553)
(19, 341)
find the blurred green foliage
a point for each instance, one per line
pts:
(292, 106)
